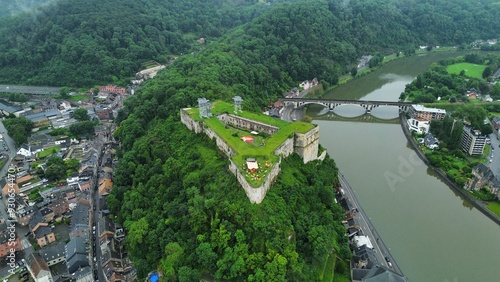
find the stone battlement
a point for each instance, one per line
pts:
(304, 144)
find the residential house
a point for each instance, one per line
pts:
(308, 84)
(101, 130)
(431, 142)
(104, 112)
(496, 123)
(6, 244)
(111, 242)
(38, 268)
(80, 221)
(48, 214)
(105, 187)
(54, 254)
(47, 104)
(76, 254)
(483, 178)
(381, 273)
(41, 230)
(24, 150)
(8, 187)
(84, 274)
(65, 105)
(59, 205)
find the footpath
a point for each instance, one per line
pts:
(442, 174)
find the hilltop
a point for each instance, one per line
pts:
(185, 212)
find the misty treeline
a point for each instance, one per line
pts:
(88, 42)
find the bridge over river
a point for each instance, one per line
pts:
(332, 103)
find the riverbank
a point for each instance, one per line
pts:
(363, 221)
(481, 206)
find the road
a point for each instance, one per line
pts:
(291, 114)
(495, 152)
(21, 230)
(36, 90)
(381, 251)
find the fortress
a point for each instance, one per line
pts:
(302, 139)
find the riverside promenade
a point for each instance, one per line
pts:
(381, 250)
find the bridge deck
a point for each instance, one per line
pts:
(339, 101)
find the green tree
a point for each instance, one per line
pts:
(487, 72)
(56, 168)
(64, 92)
(81, 114)
(19, 128)
(354, 71)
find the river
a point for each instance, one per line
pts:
(432, 233)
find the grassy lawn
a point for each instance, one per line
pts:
(49, 151)
(78, 97)
(325, 267)
(263, 146)
(471, 70)
(494, 207)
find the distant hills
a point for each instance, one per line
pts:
(14, 7)
(81, 43)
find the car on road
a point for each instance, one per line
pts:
(388, 261)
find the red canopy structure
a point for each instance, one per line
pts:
(247, 139)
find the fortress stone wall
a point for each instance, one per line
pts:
(247, 124)
(256, 194)
(306, 145)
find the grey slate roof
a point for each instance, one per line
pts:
(80, 216)
(380, 273)
(76, 254)
(42, 231)
(53, 252)
(430, 140)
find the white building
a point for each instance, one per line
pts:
(419, 125)
(24, 151)
(362, 240)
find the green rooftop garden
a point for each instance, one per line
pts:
(263, 146)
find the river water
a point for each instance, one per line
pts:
(433, 234)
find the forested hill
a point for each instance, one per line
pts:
(81, 43)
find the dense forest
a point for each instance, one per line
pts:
(188, 216)
(90, 42)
